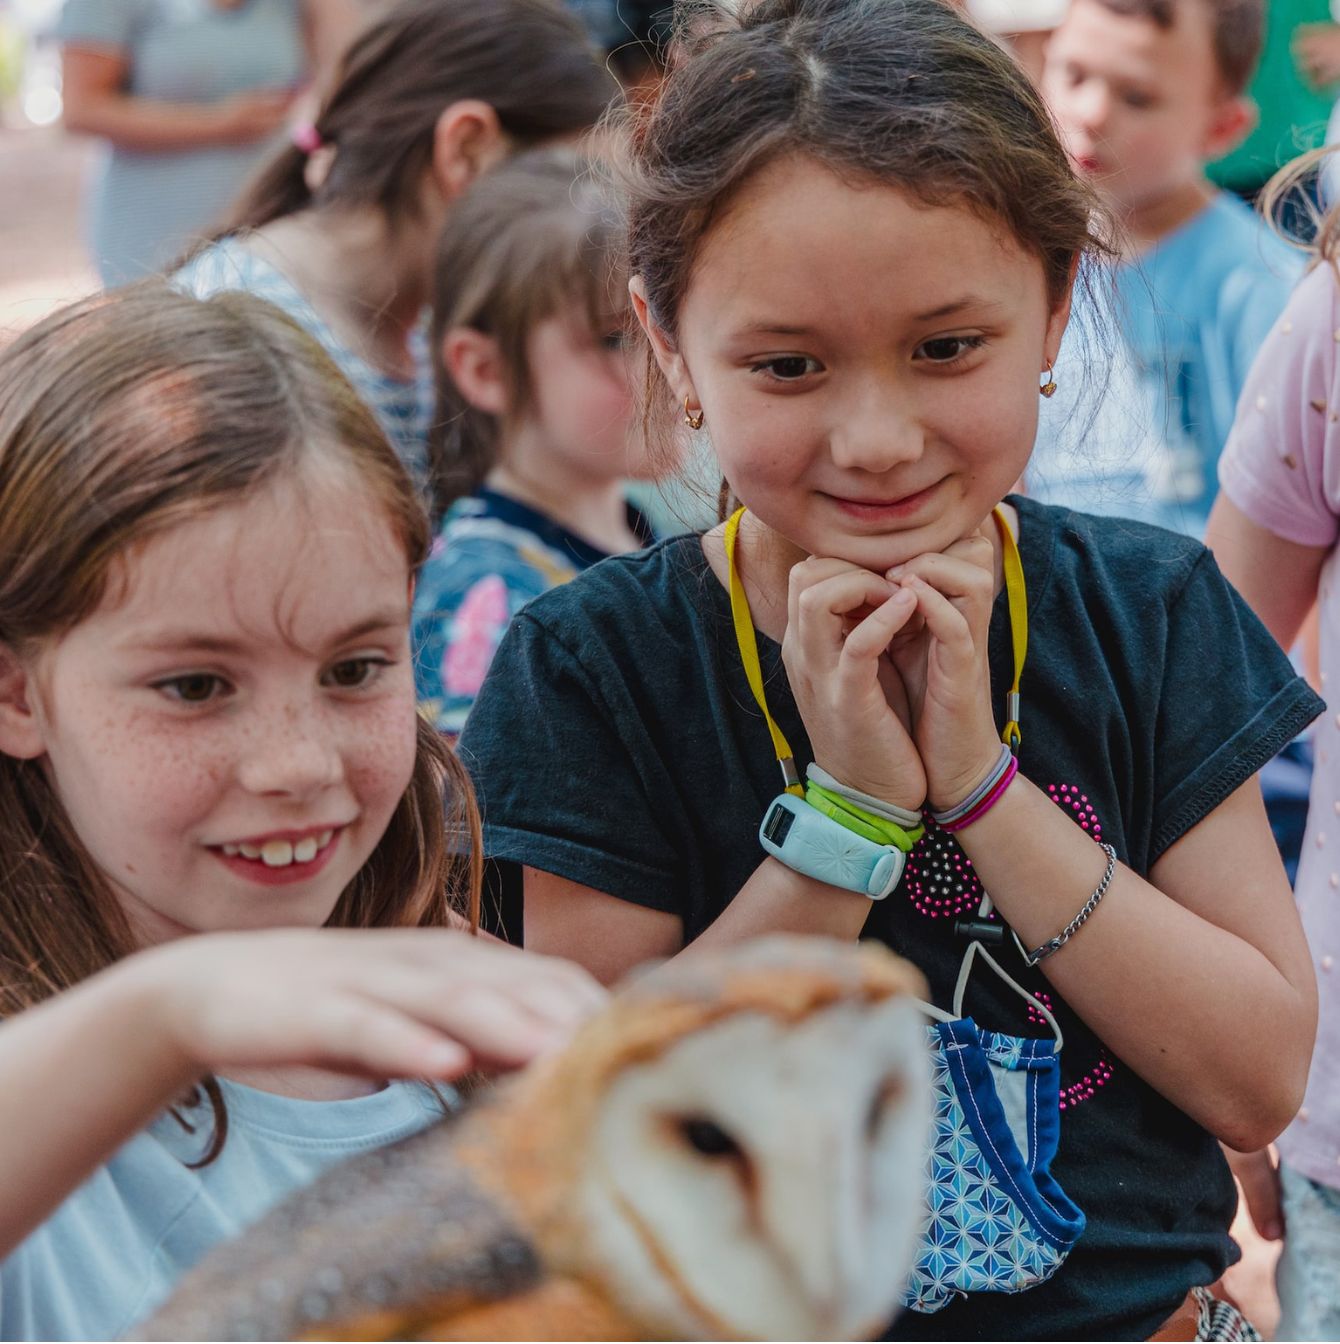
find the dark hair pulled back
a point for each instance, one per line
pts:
(904, 92)
(528, 59)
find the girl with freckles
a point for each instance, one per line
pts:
(887, 699)
(231, 916)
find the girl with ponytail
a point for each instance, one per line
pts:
(339, 228)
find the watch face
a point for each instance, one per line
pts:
(777, 825)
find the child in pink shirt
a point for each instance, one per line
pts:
(1275, 532)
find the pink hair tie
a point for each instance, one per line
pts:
(307, 138)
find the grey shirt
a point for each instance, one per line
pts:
(145, 208)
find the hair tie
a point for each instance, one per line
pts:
(307, 138)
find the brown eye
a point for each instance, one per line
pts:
(353, 673)
(708, 1138)
(195, 689)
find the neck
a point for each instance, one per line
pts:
(594, 509)
(367, 280)
(1148, 223)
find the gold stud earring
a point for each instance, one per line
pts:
(1048, 389)
(692, 419)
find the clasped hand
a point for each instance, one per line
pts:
(891, 675)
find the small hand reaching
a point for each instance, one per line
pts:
(381, 1003)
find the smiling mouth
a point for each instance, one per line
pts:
(281, 853)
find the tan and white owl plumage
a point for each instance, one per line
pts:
(734, 1149)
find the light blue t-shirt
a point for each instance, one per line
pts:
(112, 1253)
(404, 407)
(145, 209)
(1149, 386)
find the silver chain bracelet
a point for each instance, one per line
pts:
(1055, 944)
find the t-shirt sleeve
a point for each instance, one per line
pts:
(566, 781)
(100, 23)
(1281, 465)
(1225, 682)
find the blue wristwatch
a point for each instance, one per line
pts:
(808, 842)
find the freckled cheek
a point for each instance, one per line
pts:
(380, 754)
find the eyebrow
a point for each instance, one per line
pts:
(965, 302)
(199, 641)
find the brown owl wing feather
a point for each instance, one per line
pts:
(389, 1244)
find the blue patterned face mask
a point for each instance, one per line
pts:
(997, 1220)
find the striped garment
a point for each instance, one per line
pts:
(404, 408)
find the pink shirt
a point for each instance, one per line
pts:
(1281, 467)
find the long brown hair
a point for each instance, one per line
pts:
(122, 416)
(527, 59)
(901, 92)
(535, 237)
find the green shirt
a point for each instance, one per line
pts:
(1293, 114)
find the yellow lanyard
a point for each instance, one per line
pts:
(1016, 595)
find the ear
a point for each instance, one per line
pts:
(1233, 121)
(1058, 320)
(667, 354)
(20, 729)
(474, 363)
(467, 141)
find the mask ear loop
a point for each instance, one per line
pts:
(975, 949)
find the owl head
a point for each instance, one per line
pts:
(743, 1140)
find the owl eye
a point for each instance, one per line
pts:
(890, 1092)
(708, 1138)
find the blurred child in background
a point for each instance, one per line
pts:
(1275, 530)
(535, 414)
(340, 229)
(1146, 92)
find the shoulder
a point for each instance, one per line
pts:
(96, 23)
(1239, 240)
(229, 264)
(658, 589)
(1107, 562)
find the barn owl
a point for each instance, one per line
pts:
(734, 1149)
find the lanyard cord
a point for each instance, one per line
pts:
(748, 642)
(1016, 595)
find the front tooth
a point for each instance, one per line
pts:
(276, 853)
(305, 850)
(324, 839)
(250, 851)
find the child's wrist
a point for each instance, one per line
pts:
(151, 993)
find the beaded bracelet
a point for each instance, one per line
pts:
(983, 798)
(1055, 944)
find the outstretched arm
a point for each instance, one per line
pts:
(84, 1072)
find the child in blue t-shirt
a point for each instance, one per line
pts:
(1147, 92)
(230, 912)
(535, 415)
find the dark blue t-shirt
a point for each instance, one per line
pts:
(616, 743)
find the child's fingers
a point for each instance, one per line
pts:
(821, 610)
(366, 1037)
(871, 637)
(947, 625)
(963, 573)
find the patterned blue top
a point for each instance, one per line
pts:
(404, 408)
(492, 556)
(145, 209)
